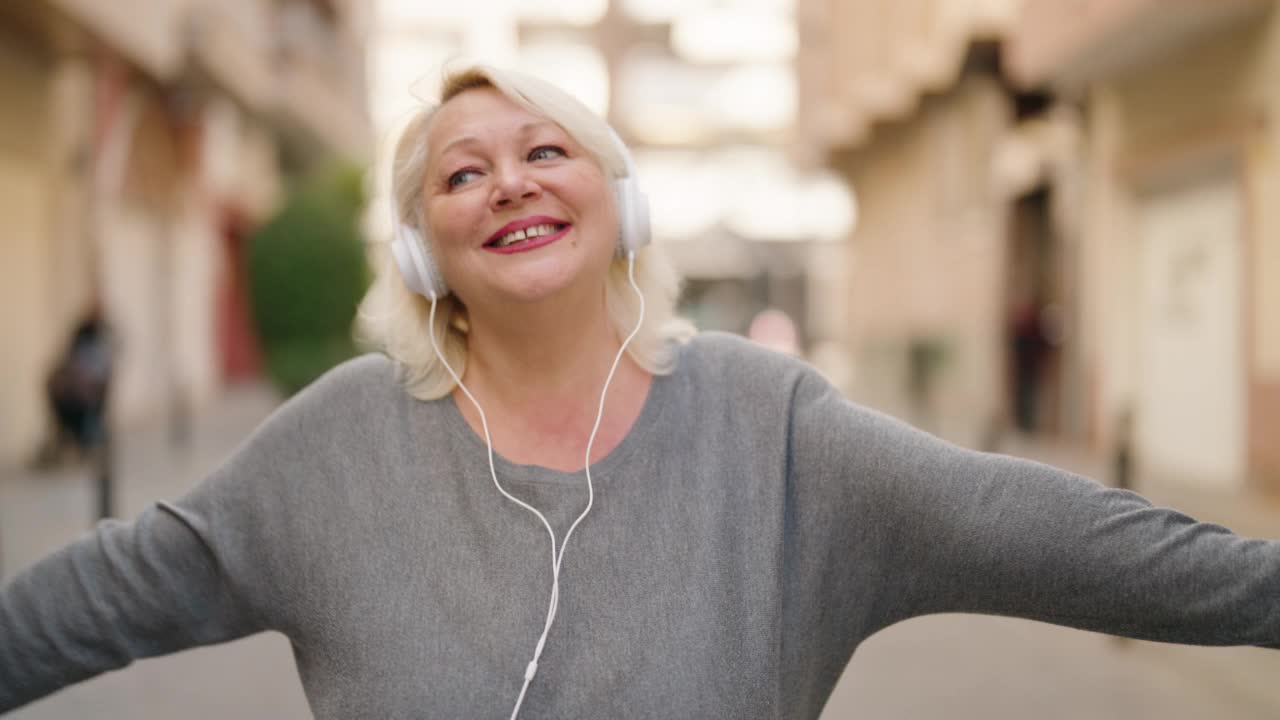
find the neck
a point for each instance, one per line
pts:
(553, 352)
(539, 373)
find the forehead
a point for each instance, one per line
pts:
(479, 114)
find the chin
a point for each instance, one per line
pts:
(538, 286)
(556, 276)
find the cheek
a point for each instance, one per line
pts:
(444, 226)
(589, 186)
(447, 240)
(599, 197)
(453, 229)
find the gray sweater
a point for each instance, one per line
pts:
(751, 530)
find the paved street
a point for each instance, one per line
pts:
(978, 667)
(953, 667)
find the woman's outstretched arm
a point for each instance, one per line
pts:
(246, 551)
(124, 592)
(944, 529)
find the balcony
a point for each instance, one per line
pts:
(864, 62)
(1065, 45)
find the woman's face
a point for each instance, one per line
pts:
(517, 209)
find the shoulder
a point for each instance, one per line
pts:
(369, 372)
(723, 369)
(734, 357)
(363, 371)
(332, 418)
(727, 350)
(356, 386)
(745, 372)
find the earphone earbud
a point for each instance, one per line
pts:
(411, 247)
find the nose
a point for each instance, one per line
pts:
(514, 186)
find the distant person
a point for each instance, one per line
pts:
(638, 524)
(1029, 349)
(78, 387)
(775, 330)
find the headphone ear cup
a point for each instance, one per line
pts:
(633, 215)
(643, 232)
(633, 205)
(409, 248)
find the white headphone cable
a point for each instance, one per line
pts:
(557, 555)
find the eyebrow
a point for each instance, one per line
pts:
(471, 139)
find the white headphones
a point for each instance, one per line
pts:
(411, 247)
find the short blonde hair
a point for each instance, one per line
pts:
(393, 318)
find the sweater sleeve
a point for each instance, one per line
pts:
(236, 556)
(124, 592)
(936, 528)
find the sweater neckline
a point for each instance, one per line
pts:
(601, 470)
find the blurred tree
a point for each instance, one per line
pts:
(307, 273)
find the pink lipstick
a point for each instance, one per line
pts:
(525, 234)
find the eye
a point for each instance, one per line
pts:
(460, 178)
(546, 152)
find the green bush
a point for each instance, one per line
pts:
(307, 272)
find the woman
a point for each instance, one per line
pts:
(741, 530)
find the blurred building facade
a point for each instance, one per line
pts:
(1177, 230)
(905, 101)
(1068, 219)
(139, 143)
(704, 93)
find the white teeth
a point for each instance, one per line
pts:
(525, 234)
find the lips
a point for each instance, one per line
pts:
(527, 234)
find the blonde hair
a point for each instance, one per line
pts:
(393, 318)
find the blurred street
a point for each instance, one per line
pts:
(1044, 227)
(938, 667)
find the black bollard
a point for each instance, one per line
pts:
(1122, 469)
(102, 468)
(1122, 456)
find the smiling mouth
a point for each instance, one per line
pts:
(529, 235)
